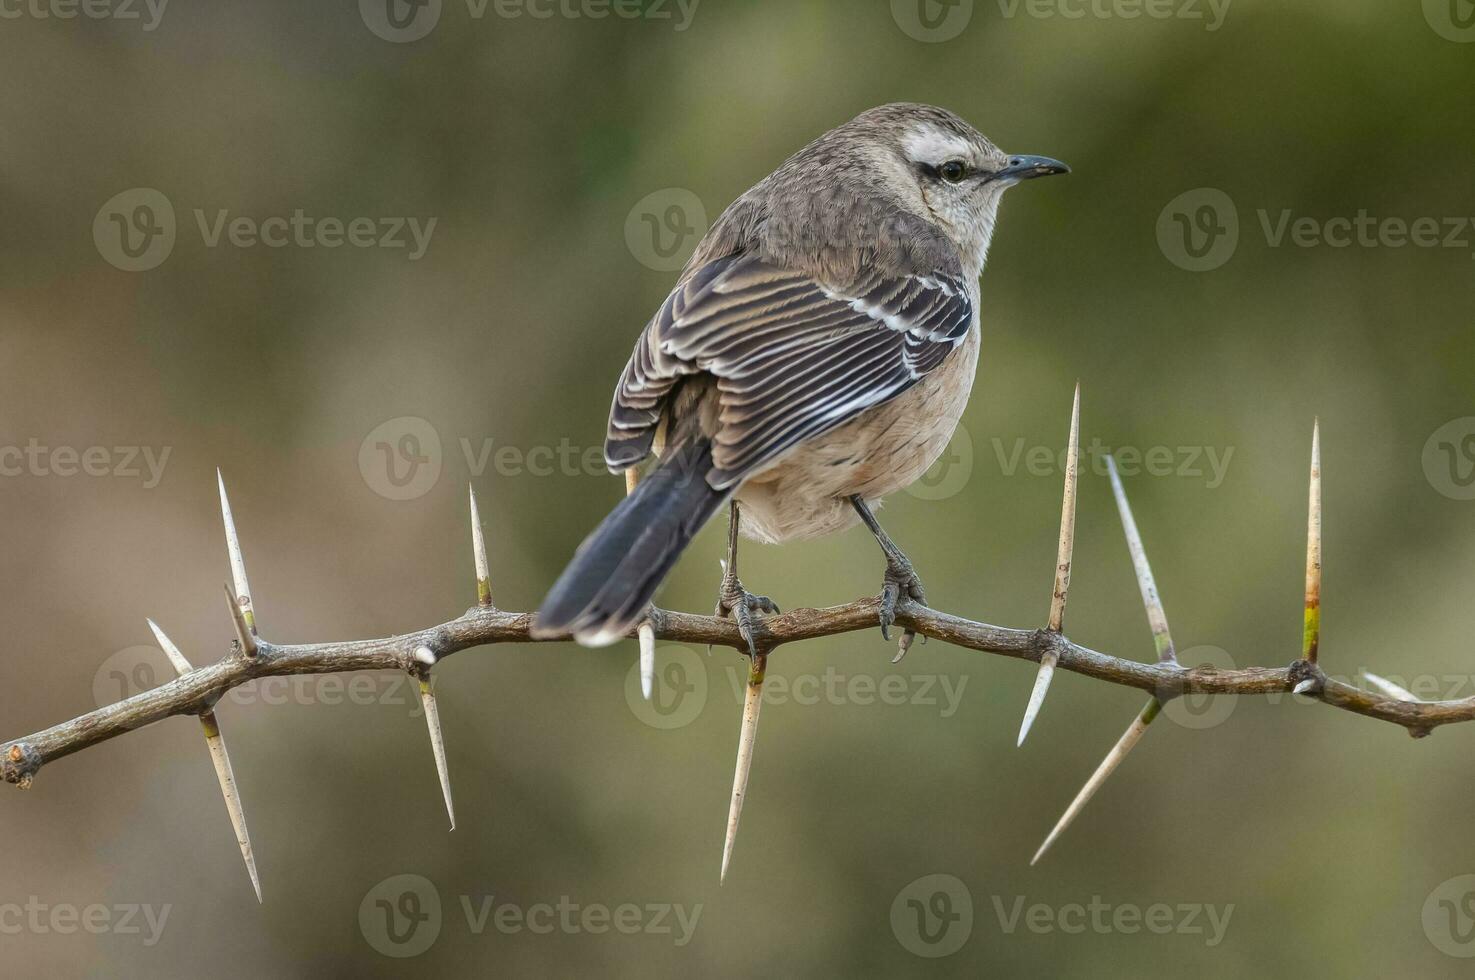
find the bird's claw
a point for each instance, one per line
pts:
(901, 582)
(736, 601)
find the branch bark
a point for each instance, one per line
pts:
(199, 690)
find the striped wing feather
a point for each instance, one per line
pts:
(793, 358)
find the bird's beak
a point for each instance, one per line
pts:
(1027, 168)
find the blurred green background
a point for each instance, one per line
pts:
(550, 151)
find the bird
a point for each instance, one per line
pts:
(814, 356)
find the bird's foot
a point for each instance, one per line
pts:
(736, 601)
(901, 582)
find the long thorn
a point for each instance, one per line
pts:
(1114, 758)
(437, 743)
(752, 705)
(1158, 620)
(1037, 696)
(221, 759)
(242, 595)
(243, 632)
(1063, 558)
(1311, 642)
(1067, 519)
(227, 777)
(1162, 639)
(479, 548)
(1389, 688)
(647, 635)
(181, 664)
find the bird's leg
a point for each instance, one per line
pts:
(732, 598)
(901, 579)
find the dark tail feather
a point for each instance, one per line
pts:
(618, 568)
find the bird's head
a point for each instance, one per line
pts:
(933, 163)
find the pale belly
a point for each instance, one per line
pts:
(806, 493)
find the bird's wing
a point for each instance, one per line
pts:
(792, 357)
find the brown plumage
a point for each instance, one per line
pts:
(815, 355)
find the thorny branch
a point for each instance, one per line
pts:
(197, 690)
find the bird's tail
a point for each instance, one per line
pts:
(618, 568)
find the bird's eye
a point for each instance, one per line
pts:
(953, 171)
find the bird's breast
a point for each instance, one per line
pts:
(881, 451)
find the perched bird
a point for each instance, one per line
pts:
(814, 357)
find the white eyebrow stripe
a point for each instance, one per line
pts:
(928, 144)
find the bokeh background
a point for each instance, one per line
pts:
(351, 394)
